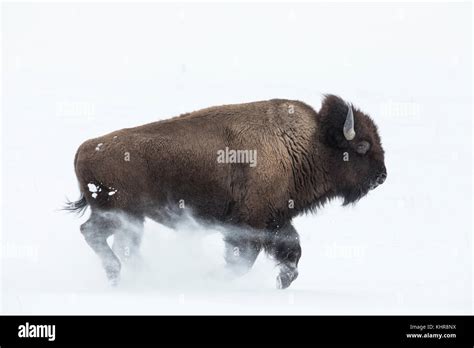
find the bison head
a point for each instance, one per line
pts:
(355, 155)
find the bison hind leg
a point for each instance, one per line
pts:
(96, 230)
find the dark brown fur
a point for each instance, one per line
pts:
(299, 167)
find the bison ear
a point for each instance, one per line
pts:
(333, 116)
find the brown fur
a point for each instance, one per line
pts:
(299, 159)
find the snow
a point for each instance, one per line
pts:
(92, 187)
(404, 249)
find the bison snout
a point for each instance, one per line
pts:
(381, 178)
(378, 180)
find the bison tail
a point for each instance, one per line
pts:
(78, 207)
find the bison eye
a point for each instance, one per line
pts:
(363, 147)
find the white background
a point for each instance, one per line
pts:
(73, 72)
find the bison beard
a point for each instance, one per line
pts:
(305, 158)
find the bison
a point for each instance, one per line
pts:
(250, 168)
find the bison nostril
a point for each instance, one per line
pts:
(381, 178)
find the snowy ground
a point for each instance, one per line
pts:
(75, 72)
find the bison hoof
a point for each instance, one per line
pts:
(284, 280)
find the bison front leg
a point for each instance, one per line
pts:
(284, 246)
(96, 230)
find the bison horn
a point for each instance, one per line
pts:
(349, 132)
